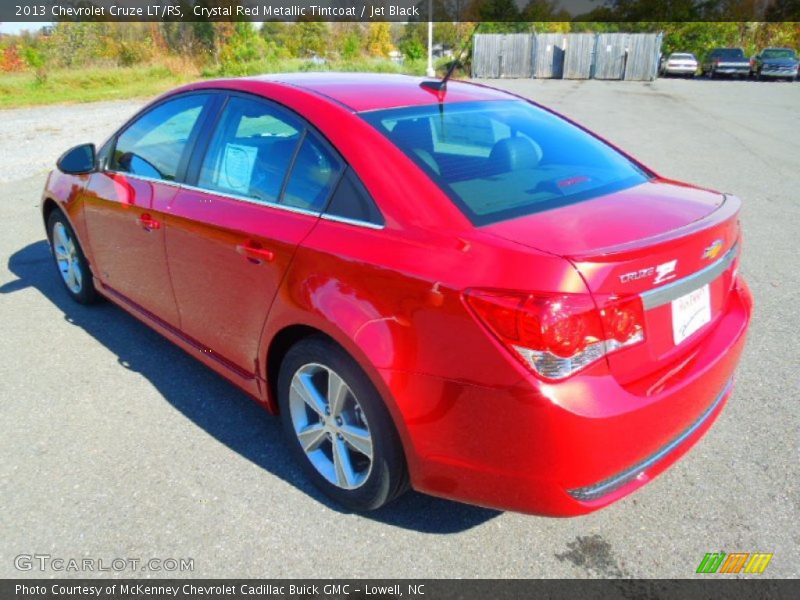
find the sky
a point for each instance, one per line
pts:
(17, 27)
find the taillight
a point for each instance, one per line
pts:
(556, 335)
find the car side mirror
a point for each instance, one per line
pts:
(78, 160)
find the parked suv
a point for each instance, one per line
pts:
(726, 61)
(775, 63)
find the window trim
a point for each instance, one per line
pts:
(358, 222)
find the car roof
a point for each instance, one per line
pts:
(374, 91)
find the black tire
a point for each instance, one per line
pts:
(387, 477)
(85, 293)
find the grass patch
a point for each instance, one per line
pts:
(88, 85)
(118, 83)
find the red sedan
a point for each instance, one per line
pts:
(454, 289)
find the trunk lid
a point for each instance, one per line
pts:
(660, 240)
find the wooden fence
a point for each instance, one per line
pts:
(628, 56)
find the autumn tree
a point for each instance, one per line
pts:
(379, 39)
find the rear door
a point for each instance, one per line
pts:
(251, 197)
(143, 170)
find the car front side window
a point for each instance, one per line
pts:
(154, 144)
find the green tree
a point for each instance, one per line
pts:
(351, 46)
(347, 39)
(307, 38)
(274, 31)
(412, 48)
(36, 62)
(242, 46)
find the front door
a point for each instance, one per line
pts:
(126, 237)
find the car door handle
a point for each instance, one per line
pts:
(148, 222)
(254, 252)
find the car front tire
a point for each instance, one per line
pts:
(70, 260)
(338, 427)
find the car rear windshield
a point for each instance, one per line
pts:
(503, 159)
(778, 53)
(682, 56)
(730, 53)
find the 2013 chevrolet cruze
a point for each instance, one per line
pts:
(447, 287)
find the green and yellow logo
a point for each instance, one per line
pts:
(745, 562)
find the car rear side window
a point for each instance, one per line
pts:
(315, 172)
(729, 54)
(153, 145)
(251, 150)
(352, 201)
(502, 159)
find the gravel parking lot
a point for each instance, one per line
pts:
(118, 445)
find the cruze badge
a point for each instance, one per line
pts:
(663, 272)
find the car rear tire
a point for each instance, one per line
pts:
(69, 259)
(338, 427)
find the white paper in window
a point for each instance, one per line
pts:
(236, 170)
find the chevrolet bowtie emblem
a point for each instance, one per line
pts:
(713, 250)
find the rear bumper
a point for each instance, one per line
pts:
(745, 70)
(603, 488)
(778, 72)
(680, 70)
(569, 448)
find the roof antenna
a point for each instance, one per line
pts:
(440, 87)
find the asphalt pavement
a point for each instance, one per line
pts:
(116, 444)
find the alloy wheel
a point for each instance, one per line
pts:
(67, 258)
(330, 426)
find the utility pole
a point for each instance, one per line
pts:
(430, 71)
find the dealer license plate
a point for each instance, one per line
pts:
(690, 313)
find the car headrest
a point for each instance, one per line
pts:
(513, 153)
(413, 133)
